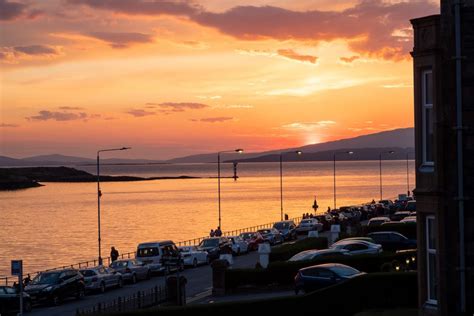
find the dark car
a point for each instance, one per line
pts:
(132, 270)
(10, 301)
(410, 206)
(214, 246)
(392, 241)
(271, 235)
(323, 275)
(398, 216)
(55, 286)
(253, 240)
(287, 229)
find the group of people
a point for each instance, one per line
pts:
(216, 233)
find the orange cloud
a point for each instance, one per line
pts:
(121, 40)
(16, 53)
(291, 54)
(349, 59)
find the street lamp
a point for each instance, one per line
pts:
(219, 176)
(334, 171)
(408, 175)
(380, 166)
(99, 193)
(297, 152)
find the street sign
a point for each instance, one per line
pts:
(17, 267)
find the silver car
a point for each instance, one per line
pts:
(313, 254)
(131, 270)
(101, 278)
(357, 247)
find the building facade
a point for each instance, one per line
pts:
(444, 139)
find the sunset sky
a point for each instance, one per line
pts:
(171, 78)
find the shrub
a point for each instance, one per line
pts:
(283, 273)
(288, 250)
(377, 290)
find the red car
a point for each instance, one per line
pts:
(253, 239)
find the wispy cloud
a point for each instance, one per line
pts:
(46, 115)
(211, 97)
(350, 59)
(14, 54)
(309, 126)
(140, 112)
(218, 119)
(121, 40)
(291, 54)
(397, 85)
(177, 106)
(8, 125)
(71, 108)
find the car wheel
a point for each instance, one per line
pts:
(81, 292)
(195, 263)
(102, 287)
(134, 278)
(120, 283)
(27, 306)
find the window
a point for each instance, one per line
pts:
(431, 272)
(427, 117)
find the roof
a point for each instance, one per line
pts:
(162, 242)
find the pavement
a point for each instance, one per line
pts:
(198, 288)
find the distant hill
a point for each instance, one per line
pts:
(62, 160)
(398, 138)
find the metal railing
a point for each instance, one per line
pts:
(141, 299)
(8, 280)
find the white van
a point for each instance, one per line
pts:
(151, 253)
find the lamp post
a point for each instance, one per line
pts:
(297, 152)
(219, 177)
(99, 194)
(380, 167)
(334, 171)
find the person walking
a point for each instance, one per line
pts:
(114, 254)
(218, 232)
(212, 233)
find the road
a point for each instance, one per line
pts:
(199, 284)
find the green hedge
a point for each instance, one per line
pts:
(288, 250)
(406, 229)
(283, 273)
(377, 290)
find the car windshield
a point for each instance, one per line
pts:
(301, 256)
(88, 273)
(119, 264)
(281, 226)
(209, 243)
(264, 231)
(148, 252)
(344, 271)
(46, 278)
(247, 235)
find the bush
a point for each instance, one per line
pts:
(377, 290)
(283, 273)
(406, 229)
(288, 250)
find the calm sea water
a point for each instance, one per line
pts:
(57, 224)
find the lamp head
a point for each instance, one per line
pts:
(240, 150)
(391, 152)
(125, 148)
(298, 152)
(350, 152)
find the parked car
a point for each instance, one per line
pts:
(101, 278)
(356, 238)
(192, 256)
(392, 240)
(409, 219)
(317, 254)
(271, 235)
(356, 247)
(309, 224)
(55, 286)
(398, 216)
(253, 240)
(386, 203)
(323, 275)
(152, 253)
(287, 229)
(377, 221)
(239, 245)
(10, 301)
(410, 206)
(214, 246)
(132, 270)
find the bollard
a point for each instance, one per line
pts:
(264, 254)
(335, 230)
(219, 267)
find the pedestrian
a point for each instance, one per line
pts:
(114, 254)
(329, 209)
(218, 232)
(212, 233)
(27, 280)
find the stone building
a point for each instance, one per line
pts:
(444, 138)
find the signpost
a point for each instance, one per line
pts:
(17, 269)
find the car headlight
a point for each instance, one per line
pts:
(48, 288)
